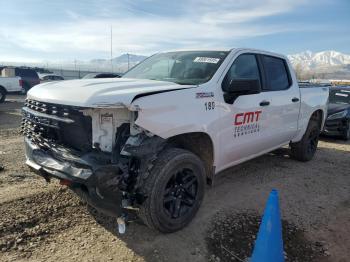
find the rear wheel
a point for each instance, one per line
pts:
(25, 88)
(305, 149)
(346, 134)
(2, 95)
(174, 189)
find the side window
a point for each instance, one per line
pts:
(276, 73)
(245, 67)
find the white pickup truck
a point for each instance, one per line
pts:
(148, 142)
(8, 85)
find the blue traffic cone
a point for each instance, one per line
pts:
(269, 244)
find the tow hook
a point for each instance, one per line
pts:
(122, 223)
(65, 182)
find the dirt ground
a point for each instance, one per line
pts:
(46, 222)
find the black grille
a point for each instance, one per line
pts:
(47, 125)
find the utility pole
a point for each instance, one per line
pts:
(111, 49)
(128, 61)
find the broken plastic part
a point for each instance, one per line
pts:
(121, 224)
(125, 203)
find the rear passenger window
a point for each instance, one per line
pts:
(276, 73)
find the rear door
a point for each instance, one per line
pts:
(283, 98)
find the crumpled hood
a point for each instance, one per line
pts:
(98, 92)
(335, 108)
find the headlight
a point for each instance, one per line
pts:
(338, 115)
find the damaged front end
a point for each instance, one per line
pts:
(99, 152)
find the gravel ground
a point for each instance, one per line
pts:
(46, 222)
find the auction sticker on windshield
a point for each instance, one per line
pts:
(210, 60)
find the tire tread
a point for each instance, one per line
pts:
(298, 149)
(147, 212)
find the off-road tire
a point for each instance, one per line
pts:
(346, 134)
(2, 94)
(169, 162)
(305, 149)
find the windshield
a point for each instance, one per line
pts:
(339, 96)
(186, 68)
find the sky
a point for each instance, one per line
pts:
(42, 30)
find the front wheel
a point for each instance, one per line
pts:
(174, 189)
(305, 149)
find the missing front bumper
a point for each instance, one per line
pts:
(93, 181)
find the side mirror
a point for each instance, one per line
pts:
(242, 86)
(236, 88)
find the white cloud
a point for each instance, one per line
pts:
(221, 12)
(203, 24)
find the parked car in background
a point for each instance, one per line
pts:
(9, 85)
(29, 76)
(338, 118)
(101, 75)
(49, 77)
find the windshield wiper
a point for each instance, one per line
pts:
(184, 83)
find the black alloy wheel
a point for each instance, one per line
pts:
(180, 193)
(174, 187)
(305, 149)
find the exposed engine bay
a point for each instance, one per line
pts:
(100, 153)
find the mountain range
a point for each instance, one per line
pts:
(329, 64)
(325, 64)
(307, 59)
(310, 60)
(120, 63)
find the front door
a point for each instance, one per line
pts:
(245, 120)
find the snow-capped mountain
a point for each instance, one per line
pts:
(121, 59)
(120, 63)
(310, 61)
(306, 61)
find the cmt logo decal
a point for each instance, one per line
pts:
(246, 123)
(248, 117)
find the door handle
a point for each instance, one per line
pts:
(295, 99)
(264, 103)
